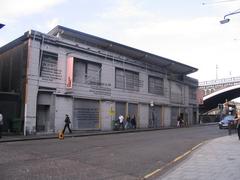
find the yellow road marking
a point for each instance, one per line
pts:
(195, 147)
(152, 173)
(173, 161)
(182, 156)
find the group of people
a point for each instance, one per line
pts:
(180, 121)
(127, 123)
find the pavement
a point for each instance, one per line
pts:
(80, 133)
(217, 159)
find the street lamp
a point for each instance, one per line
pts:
(152, 125)
(226, 20)
(1, 25)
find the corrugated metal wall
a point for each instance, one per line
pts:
(86, 114)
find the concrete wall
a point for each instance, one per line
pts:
(31, 87)
(107, 113)
(143, 115)
(167, 116)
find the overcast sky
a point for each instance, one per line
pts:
(184, 31)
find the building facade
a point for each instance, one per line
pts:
(94, 80)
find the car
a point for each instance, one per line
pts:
(225, 121)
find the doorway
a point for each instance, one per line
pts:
(42, 118)
(154, 116)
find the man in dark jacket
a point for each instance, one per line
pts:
(1, 124)
(67, 123)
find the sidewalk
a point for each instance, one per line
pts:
(217, 159)
(12, 138)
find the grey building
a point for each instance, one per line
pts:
(94, 80)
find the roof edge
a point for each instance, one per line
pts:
(14, 43)
(61, 29)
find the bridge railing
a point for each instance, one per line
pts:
(220, 81)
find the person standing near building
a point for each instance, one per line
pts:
(67, 123)
(1, 124)
(133, 122)
(238, 126)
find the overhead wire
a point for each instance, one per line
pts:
(219, 2)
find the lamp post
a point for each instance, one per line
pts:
(226, 20)
(152, 114)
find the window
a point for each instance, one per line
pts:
(125, 79)
(86, 72)
(176, 92)
(192, 93)
(49, 69)
(155, 85)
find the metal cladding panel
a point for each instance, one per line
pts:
(86, 114)
(174, 115)
(155, 116)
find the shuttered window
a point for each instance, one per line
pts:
(49, 69)
(155, 85)
(192, 93)
(125, 79)
(86, 72)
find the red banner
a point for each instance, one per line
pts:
(200, 95)
(69, 78)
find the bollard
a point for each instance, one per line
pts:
(61, 135)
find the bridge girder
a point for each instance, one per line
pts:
(213, 101)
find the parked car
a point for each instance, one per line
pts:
(225, 121)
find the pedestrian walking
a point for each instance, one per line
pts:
(128, 123)
(182, 122)
(1, 124)
(230, 127)
(133, 122)
(238, 126)
(178, 121)
(121, 122)
(67, 124)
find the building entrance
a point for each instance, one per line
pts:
(42, 118)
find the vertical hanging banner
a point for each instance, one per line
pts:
(69, 78)
(200, 95)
